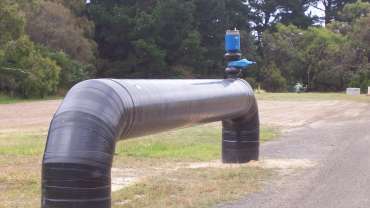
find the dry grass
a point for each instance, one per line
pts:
(191, 188)
(152, 157)
(311, 97)
(20, 181)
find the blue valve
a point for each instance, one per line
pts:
(235, 65)
(232, 41)
(241, 64)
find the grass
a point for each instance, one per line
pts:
(20, 165)
(22, 144)
(5, 99)
(191, 188)
(311, 97)
(20, 181)
(190, 144)
(21, 155)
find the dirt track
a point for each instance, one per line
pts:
(36, 116)
(333, 148)
(30, 116)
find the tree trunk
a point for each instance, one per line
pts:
(328, 11)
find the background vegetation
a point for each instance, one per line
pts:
(46, 46)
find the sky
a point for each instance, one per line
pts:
(318, 12)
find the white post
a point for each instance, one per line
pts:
(368, 91)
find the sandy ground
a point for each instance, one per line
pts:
(29, 116)
(333, 152)
(287, 115)
(33, 116)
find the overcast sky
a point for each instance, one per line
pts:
(318, 12)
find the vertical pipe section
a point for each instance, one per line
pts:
(97, 113)
(240, 138)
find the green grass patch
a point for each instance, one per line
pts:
(22, 144)
(191, 188)
(202, 143)
(21, 155)
(5, 99)
(311, 97)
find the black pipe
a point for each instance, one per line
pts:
(95, 114)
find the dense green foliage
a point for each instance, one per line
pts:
(38, 56)
(47, 46)
(169, 38)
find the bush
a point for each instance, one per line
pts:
(11, 22)
(273, 80)
(42, 79)
(252, 81)
(361, 80)
(40, 75)
(71, 72)
(55, 26)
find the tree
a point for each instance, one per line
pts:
(355, 56)
(352, 12)
(312, 56)
(295, 12)
(56, 27)
(40, 75)
(211, 25)
(263, 14)
(332, 8)
(267, 13)
(12, 22)
(273, 80)
(283, 48)
(179, 37)
(71, 71)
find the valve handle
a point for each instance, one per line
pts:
(241, 64)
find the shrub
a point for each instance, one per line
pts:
(40, 75)
(273, 80)
(252, 81)
(42, 79)
(361, 80)
(71, 71)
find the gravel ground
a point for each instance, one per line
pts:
(29, 116)
(338, 144)
(32, 116)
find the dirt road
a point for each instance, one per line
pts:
(33, 116)
(336, 147)
(29, 116)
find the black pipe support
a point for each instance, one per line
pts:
(95, 114)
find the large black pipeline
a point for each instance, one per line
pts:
(95, 114)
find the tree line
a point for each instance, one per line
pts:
(46, 46)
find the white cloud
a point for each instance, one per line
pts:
(317, 11)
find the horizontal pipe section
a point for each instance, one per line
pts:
(95, 114)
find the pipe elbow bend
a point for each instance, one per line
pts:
(241, 137)
(95, 114)
(80, 146)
